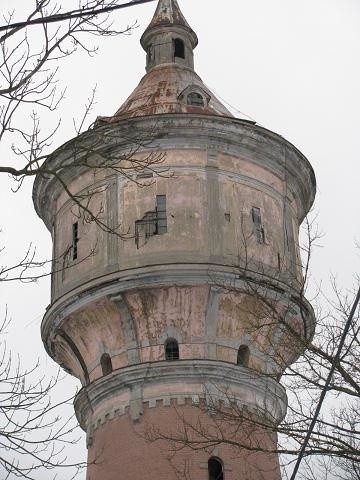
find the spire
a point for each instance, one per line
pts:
(168, 13)
(169, 38)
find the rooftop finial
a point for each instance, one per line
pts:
(169, 38)
(168, 13)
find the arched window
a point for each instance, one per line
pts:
(215, 468)
(171, 349)
(106, 364)
(179, 48)
(196, 99)
(243, 355)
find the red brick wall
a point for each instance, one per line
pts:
(121, 450)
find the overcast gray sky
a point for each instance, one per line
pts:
(292, 65)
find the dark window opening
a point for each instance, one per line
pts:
(161, 224)
(75, 240)
(215, 468)
(152, 223)
(287, 240)
(179, 48)
(106, 364)
(195, 99)
(172, 349)
(243, 355)
(150, 53)
(144, 174)
(259, 229)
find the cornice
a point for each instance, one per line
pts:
(223, 381)
(157, 276)
(186, 131)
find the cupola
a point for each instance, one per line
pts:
(169, 38)
(171, 84)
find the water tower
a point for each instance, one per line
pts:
(168, 316)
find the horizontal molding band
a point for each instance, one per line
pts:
(260, 394)
(157, 276)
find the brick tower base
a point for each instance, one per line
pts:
(122, 449)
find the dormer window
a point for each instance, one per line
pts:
(179, 48)
(194, 95)
(195, 99)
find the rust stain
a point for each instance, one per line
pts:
(159, 92)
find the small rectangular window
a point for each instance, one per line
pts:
(259, 229)
(153, 222)
(161, 214)
(179, 48)
(75, 240)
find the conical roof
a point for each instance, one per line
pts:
(168, 13)
(165, 89)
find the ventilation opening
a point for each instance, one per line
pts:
(195, 99)
(106, 364)
(259, 229)
(243, 355)
(215, 467)
(172, 349)
(179, 48)
(150, 53)
(75, 240)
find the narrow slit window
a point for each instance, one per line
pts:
(287, 239)
(179, 48)
(259, 229)
(75, 240)
(215, 469)
(243, 356)
(172, 349)
(106, 364)
(150, 53)
(144, 174)
(161, 226)
(195, 99)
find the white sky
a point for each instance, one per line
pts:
(292, 65)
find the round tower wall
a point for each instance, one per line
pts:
(208, 323)
(219, 209)
(132, 449)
